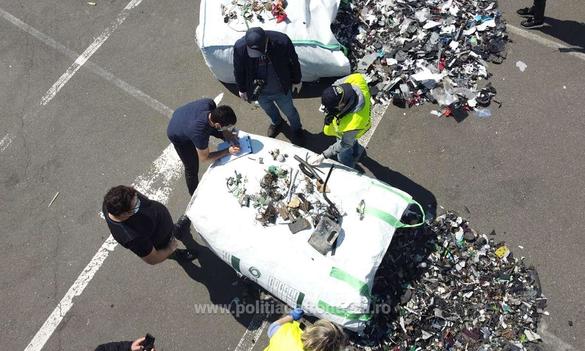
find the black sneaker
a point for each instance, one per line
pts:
(274, 130)
(526, 12)
(531, 23)
(182, 227)
(183, 255)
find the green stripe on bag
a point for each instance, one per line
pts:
(352, 316)
(236, 264)
(351, 280)
(300, 299)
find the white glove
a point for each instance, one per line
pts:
(316, 160)
(296, 88)
(243, 96)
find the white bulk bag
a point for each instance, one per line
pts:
(336, 287)
(320, 54)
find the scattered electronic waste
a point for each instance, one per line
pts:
(418, 51)
(446, 287)
(252, 10)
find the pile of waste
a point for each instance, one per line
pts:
(450, 288)
(250, 10)
(417, 51)
(297, 197)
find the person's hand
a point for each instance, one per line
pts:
(243, 95)
(233, 150)
(296, 88)
(296, 314)
(316, 160)
(137, 345)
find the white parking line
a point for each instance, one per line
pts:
(91, 49)
(252, 334)
(157, 185)
(544, 41)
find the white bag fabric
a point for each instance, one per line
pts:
(336, 287)
(309, 29)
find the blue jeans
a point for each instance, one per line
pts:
(285, 103)
(348, 156)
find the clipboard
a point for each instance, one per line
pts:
(245, 149)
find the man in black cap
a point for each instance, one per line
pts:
(347, 110)
(534, 14)
(267, 70)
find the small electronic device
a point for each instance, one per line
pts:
(148, 342)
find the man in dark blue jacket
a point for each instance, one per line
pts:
(267, 70)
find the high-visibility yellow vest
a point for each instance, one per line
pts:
(359, 120)
(286, 338)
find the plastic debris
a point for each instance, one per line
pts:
(446, 287)
(521, 66)
(415, 52)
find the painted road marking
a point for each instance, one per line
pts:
(544, 41)
(91, 49)
(96, 69)
(252, 333)
(155, 184)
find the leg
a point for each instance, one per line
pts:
(267, 104)
(539, 6)
(188, 155)
(346, 154)
(285, 103)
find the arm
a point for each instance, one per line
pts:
(295, 66)
(345, 142)
(205, 155)
(239, 68)
(157, 256)
(273, 328)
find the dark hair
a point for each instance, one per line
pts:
(224, 115)
(118, 199)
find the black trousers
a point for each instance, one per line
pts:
(538, 9)
(188, 155)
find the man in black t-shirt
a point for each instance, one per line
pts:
(144, 226)
(189, 131)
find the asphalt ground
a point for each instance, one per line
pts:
(518, 173)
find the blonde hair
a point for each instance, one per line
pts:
(323, 336)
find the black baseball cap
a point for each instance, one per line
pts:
(339, 99)
(256, 42)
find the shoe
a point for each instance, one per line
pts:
(273, 130)
(526, 12)
(531, 23)
(182, 227)
(183, 255)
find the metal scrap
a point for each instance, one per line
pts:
(446, 287)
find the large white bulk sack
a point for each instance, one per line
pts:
(336, 287)
(309, 28)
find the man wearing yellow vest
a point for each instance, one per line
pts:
(347, 107)
(286, 335)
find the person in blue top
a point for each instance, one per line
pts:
(267, 70)
(189, 130)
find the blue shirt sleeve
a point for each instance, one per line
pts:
(272, 329)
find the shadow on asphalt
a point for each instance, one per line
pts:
(224, 286)
(570, 32)
(423, 196)
(308, 91)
